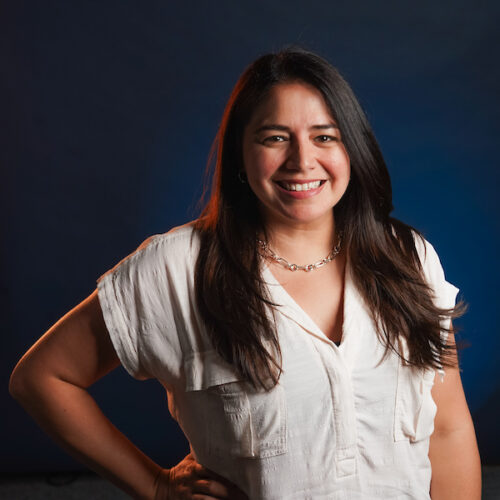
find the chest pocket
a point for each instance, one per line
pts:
(415, 409)
(237, 419)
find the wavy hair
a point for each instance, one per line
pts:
(230, 294)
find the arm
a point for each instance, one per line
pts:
(453, 452)
(50, 382)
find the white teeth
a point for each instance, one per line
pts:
(301, 187)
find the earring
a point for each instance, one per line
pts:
(242, 177)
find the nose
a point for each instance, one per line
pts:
(301, 155)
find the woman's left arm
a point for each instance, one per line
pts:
(453, 452)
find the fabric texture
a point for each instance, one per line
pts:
(340, 424)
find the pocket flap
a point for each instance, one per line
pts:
(206, 369)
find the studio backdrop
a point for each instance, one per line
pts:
(108, 112)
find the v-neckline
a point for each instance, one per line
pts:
(290, 307)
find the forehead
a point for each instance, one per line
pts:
(296, 101)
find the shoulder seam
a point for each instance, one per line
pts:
(154, 240)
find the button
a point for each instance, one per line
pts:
(346, 467)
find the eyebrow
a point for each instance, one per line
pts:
(275, 126)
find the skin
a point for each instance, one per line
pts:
(292, 137)
(302, 231)
(51, 381)
(453, 452)
(52, 378)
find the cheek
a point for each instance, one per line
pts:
(260, 165)
(339, 164)
(345, 158)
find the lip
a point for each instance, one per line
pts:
(300, 195)
(298, 181)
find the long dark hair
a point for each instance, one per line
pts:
(230, 294)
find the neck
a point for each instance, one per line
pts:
(302, 243)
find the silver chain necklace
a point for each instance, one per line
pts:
(296, 267)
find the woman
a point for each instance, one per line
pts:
(297, 327)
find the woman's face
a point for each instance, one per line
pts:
(294, 158)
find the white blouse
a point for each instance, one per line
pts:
(341, 423)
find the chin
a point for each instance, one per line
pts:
(310, 218)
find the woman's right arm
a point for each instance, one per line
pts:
(50, 382)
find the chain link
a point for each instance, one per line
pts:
(296, 267)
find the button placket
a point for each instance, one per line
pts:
(343, 409)
(336, 361)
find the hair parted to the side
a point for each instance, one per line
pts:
(381, 249)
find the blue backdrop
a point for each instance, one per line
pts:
(108, 113)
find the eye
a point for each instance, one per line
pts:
(326, 138)
(275, 138)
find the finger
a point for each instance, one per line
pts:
(233, 492)
(189, 457)
(204, 472)
(211, 487)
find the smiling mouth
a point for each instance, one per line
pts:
(307, 186)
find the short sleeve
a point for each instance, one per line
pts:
(137, 303)
(445, 293)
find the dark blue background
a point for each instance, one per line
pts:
(108, 111)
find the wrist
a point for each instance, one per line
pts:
(161, 488)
